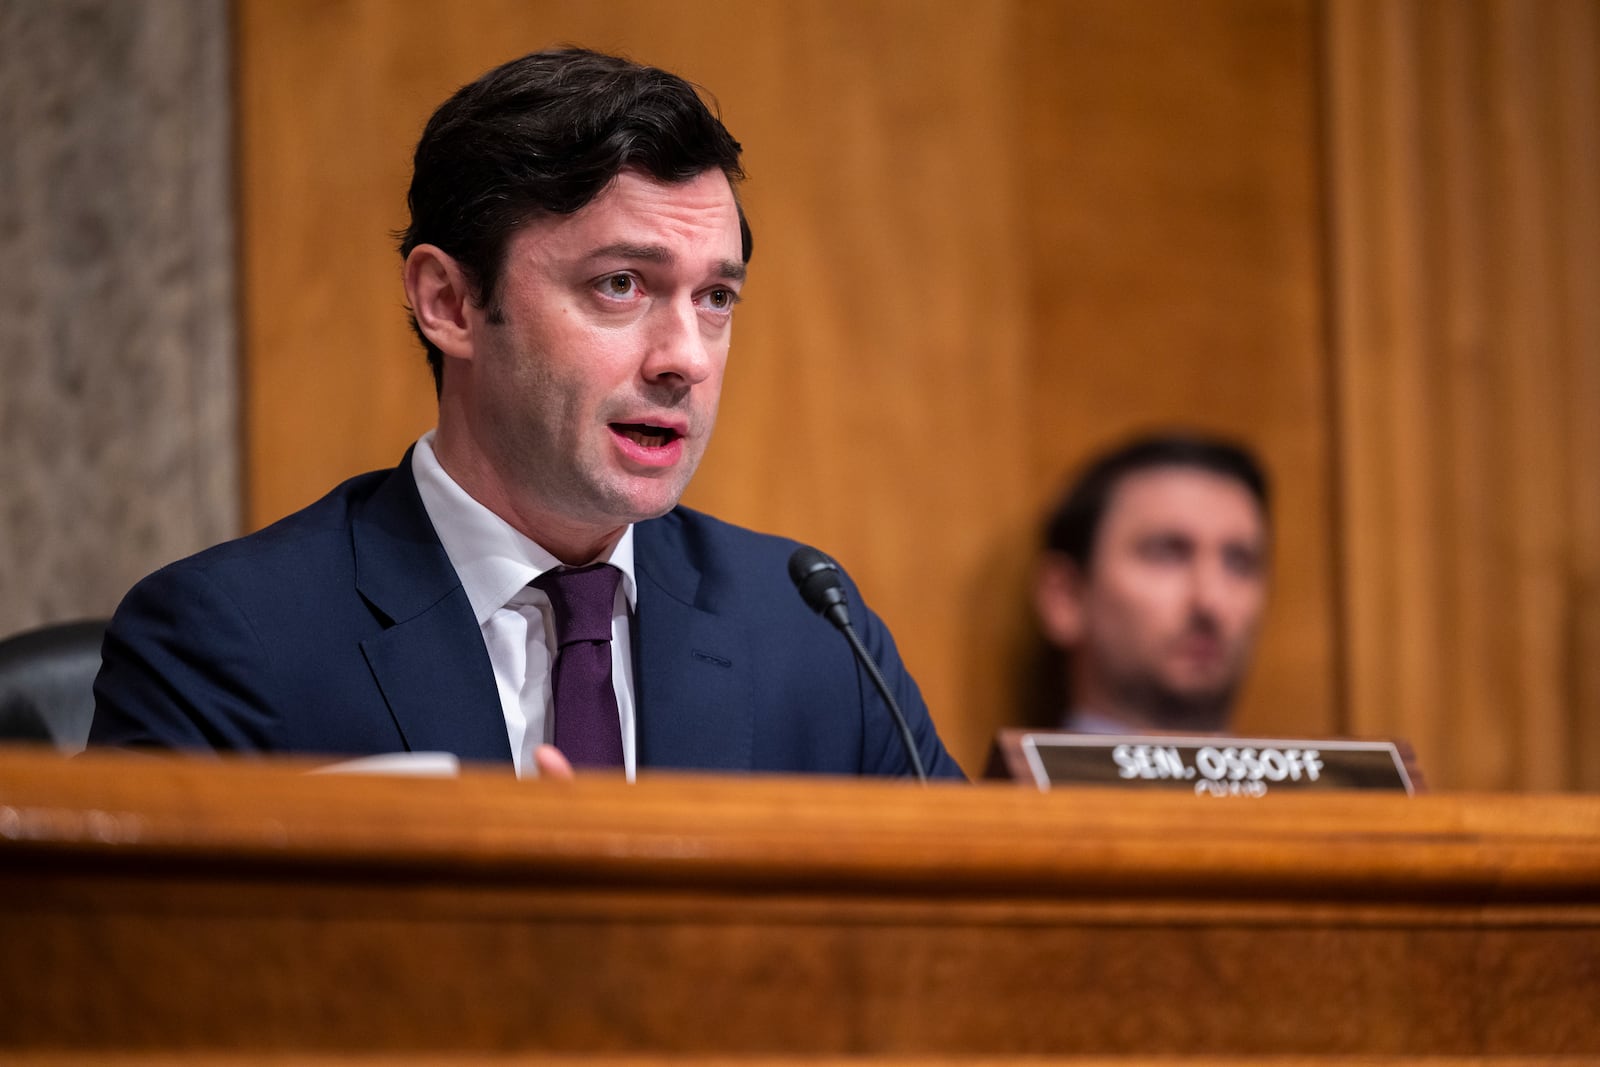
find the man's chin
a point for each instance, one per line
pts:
(1193, 707)
(636, 503)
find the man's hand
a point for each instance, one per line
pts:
(552, 764)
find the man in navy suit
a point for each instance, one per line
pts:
(574, 256)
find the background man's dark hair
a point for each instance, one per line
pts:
(546, 134)
(1073, 527)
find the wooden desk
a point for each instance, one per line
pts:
(211, 912)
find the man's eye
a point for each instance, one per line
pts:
(722, 299)
(1242, 561)
(1164, 550)
(617, 285)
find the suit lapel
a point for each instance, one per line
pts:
(429, 660)
(694, 677)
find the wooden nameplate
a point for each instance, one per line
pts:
(1209, 765)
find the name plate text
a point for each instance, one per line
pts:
(1214, 766)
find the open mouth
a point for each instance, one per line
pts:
(645, 435)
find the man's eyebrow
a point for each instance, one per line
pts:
(731, 269)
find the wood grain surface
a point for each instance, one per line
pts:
(1465, 236)
(159, 904)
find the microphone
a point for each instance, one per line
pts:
(821, 585)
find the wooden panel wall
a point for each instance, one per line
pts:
(989, 237)
(1466, 238)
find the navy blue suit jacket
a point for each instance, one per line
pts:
(343, 630)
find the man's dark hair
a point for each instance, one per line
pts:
(1075, 524)
(546, 134)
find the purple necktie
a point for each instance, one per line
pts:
(587, 730)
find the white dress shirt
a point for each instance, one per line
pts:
(495, 564)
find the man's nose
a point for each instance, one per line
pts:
(1209, 586)
(677, 346)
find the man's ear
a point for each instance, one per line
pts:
(440, 300)
(1058, 593)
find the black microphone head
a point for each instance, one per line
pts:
(820, 583)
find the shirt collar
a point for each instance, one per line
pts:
(493, 560)
(1086, 721)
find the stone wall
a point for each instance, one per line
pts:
(118, 377)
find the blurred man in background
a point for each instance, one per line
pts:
(1153, 581)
